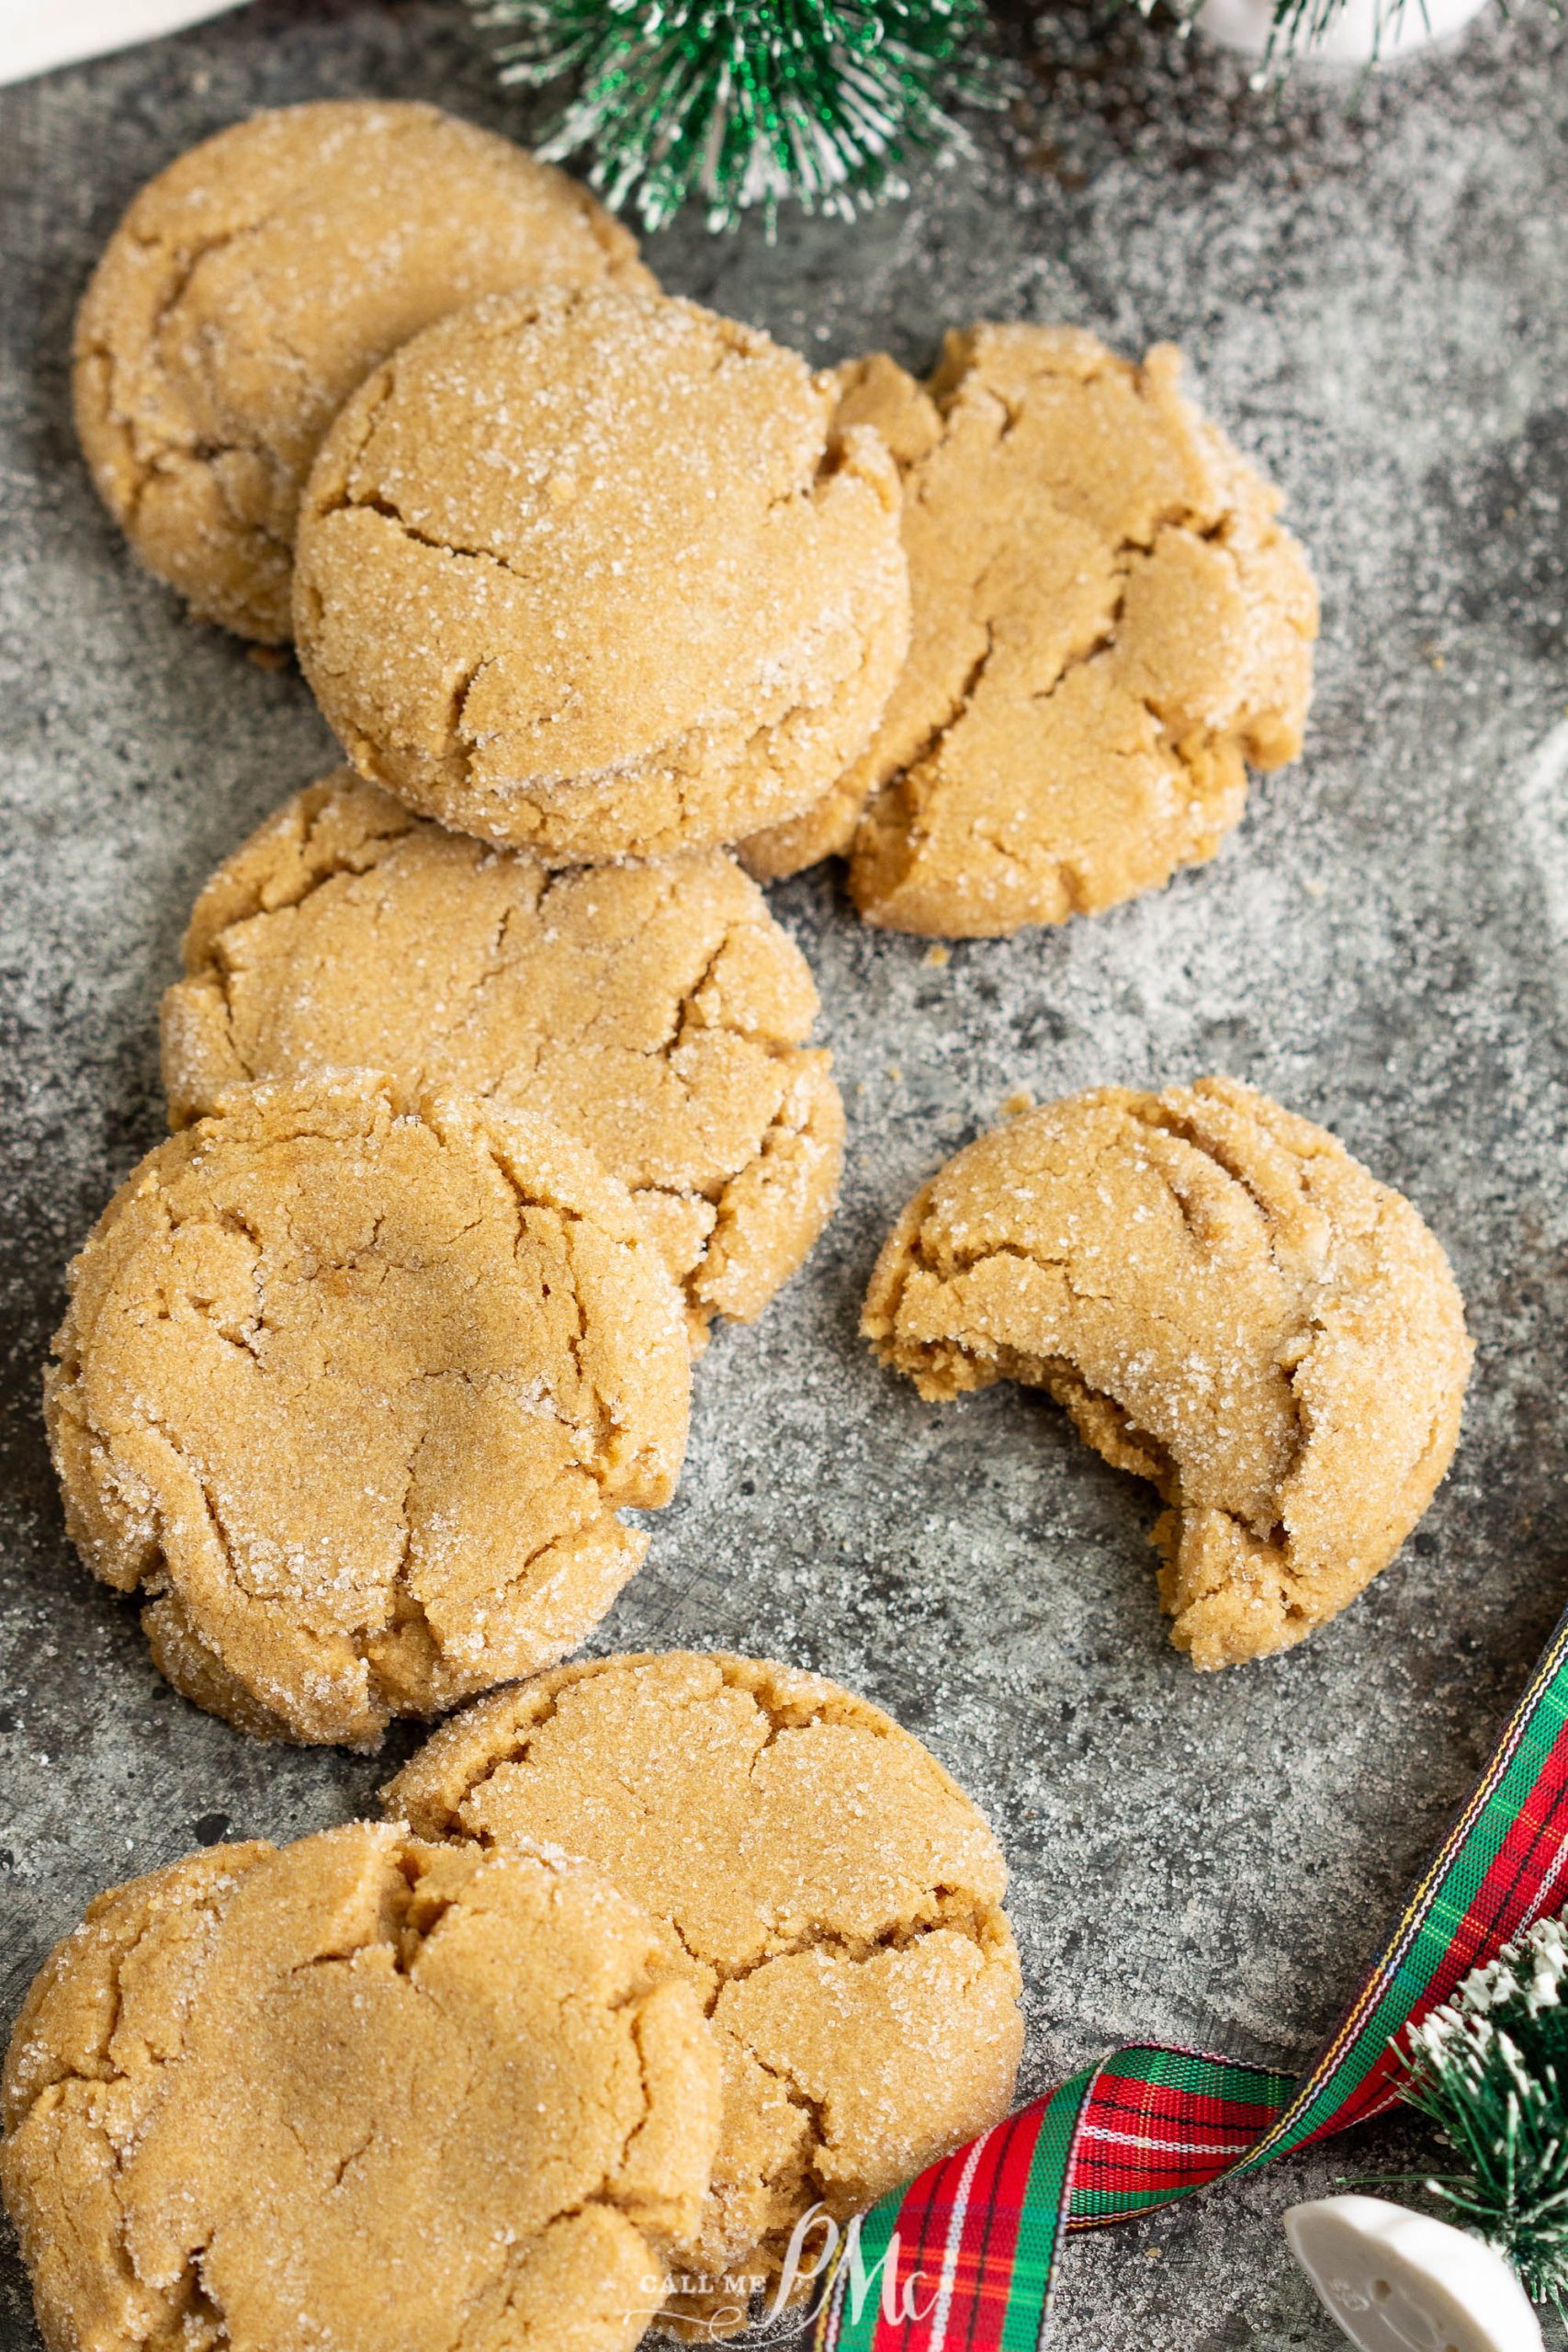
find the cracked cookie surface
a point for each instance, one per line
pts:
(1109, 624)
(657, 1012)
(1227, 1304)
(255, 283)
(831, 1893)
(353, 1387)
(593, 575)
(356, 2092)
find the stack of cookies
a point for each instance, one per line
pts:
(490, 1088)
(489, 1075)
(401, 2086)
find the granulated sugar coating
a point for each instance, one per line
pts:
(243, 2105)
(255, 282)
(1371, 289)
(593, 575)
(835, 1899)
(352, 1385)
(1228, 1306)
(657, 1012)
(1109, 623)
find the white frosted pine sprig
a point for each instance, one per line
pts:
(1490, 2069)
(736, 103)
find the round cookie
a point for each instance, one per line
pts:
(255, 283)
(1109, 623)
(353, 1388)
(356, 2092)
(832, 1895)
(657, 1012)
(1227, 1304)
(594, 574)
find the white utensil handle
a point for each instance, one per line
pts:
(1398, 2281)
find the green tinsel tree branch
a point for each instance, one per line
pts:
(742, 103)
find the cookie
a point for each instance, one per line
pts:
(833, 1896)
(657, 1012)
(356, 2092)
(353, 1387)
(1227, 1304)
(1109, 624)
(255, 283)
(593, 575)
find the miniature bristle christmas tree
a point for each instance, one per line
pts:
(737, 104)
(1490, 2069)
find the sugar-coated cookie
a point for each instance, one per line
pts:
(1227, 1304)
(357, 2093)
(832, 1895)
(657, 1012)
(594, 574)
(353, 1387)
(255, 283)
(1109, 624)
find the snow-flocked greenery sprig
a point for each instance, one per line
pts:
(1490, 2069)
(737, 104)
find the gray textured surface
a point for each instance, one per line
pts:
(1377, 301)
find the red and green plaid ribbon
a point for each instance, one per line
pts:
(979, 2235)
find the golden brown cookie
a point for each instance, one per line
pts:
(353, 1386)
(832, 1895)
(1109, 623)
(593, 575)
(255, 283)
(1227, 1304)
(357, 2093)
(657, 1012)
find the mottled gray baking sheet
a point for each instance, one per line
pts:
(1377, 301)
